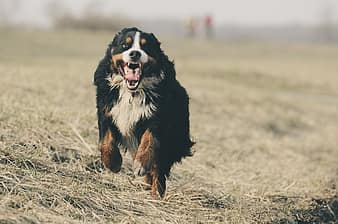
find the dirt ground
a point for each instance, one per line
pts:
(264, 116)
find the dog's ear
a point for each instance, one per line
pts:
(158, 43)
(109, 50)
(104, 67)
(114, 43)
(117, 38)
(167, 66)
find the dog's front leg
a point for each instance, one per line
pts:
(110, 154)
(144, 157)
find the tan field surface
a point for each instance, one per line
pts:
(264, 116)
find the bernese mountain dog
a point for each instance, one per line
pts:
(141, 108)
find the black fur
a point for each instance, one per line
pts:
(169, 123)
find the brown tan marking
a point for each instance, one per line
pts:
(148, 179)
(143, 41)
(110, 155)
(128, 40)
(106, 111)
(115, 58)
(154, 183)
(145, 156)
(145, 151)
(158, 185)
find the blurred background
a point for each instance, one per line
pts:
(292, 20)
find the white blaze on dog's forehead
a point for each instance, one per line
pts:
(136, 44)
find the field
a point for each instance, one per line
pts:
(264, 116)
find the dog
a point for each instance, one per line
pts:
(141, 108)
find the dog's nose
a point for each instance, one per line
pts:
(135, 55)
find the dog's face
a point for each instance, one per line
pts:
(135, 56)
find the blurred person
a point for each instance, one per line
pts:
(208, 24)
(191, 26)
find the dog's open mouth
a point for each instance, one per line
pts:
(131, 72)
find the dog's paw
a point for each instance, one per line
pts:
(115, 167)
(140, 170)
(113, 161)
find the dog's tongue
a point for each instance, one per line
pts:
(132, 74)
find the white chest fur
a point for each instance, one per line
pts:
(127, 112)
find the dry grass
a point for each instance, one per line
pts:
(264, 116)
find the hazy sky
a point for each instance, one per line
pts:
(243, 12)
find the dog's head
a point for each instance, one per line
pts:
(136, 56)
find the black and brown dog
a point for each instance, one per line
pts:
(141, 108)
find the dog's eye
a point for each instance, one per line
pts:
(124, 46)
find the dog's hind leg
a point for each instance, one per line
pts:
(158, 186)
